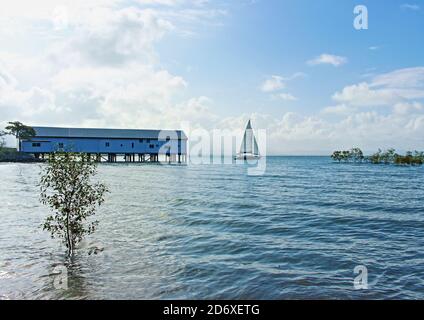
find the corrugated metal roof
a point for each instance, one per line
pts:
(106, 133)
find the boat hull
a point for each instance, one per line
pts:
(247, 157)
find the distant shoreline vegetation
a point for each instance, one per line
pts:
(12, 155)
(18, 130)
(389, 156)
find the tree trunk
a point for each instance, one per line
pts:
(69, 236)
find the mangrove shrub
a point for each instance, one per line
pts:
(66, 187)
(355, 155)
(380, 157)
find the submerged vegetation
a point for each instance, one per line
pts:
(66, 187)
(389, 156)
(355, 155)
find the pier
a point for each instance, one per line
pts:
(109, 145)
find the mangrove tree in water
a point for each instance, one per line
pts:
(66, 187)
(355, 155)
(380, 157)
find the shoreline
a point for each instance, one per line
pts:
(12, 156)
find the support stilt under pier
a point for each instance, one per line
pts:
(127, 157)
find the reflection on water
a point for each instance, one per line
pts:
(211, 231)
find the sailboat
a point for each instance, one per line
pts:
(249, 146)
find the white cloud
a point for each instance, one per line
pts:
(28, 104)
(35, 11)
(101, 80)
(137, 96)
(99, 66)
(112, 37)
(362, 95)
(160, 2)
(413, 7)
(385, 90)
(29, 101)
(298, 134)
(285, 96)
(401, 78)
(274, 83)
(173, 3)
(328, 59)
(6, 79)
(341, 109)
(408, 108)
(96, 65)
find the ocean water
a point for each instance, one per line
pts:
(213, 232)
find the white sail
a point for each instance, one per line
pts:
(243, 144)
(255, 146)
(249, 145)
(246, 144)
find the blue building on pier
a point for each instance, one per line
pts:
(109, 144)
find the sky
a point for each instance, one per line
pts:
(298, 68)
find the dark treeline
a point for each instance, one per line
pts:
(20, 131)
(389, 156)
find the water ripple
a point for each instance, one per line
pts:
(210, 231)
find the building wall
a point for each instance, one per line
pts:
(96, 145)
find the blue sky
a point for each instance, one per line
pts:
(299, 68)
(278, 37)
